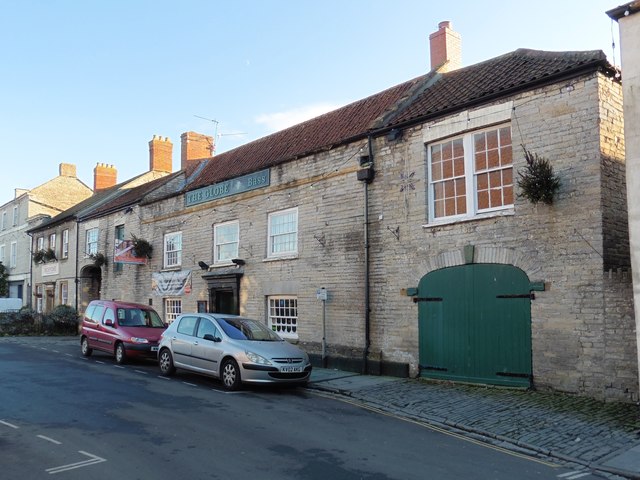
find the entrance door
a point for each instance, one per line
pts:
(224, 301)
(475, 324)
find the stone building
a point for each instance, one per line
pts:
(29, 208)
(391, 235)
(628, 17)
(73, 276)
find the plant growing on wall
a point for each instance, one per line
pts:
(4, 282)
(537, 181)
(98, 259)
(141, 248)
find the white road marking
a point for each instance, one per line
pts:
(118, 366)
(49, 439)
(72, 466)
(9, 424)
(190, 384)
(574, 475)
(68, 355)
(140, 371)
(55, 351)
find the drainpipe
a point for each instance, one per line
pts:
(30, 287)
(368, 177)
(76, 280)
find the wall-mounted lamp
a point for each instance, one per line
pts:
(237, 261)
(128, 210)
(203, 265)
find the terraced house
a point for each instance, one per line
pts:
(392, 236)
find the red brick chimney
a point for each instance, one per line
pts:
(446, 48)
(195, 146)
(160, 154)
(104, 176)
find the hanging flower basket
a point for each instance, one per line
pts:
(38, 256)
(141, 248)
(98, 259)
(537, 181)
(45, 255)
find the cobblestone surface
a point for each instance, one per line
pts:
(563, 425)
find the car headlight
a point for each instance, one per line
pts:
(138, 340)
(255, 358)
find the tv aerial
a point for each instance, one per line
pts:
(217, 135)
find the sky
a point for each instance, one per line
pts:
(87, 82)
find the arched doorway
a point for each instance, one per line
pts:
(475, 324)
(90, 281)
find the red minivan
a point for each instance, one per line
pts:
(123, 329)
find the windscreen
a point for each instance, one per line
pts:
(247, 329)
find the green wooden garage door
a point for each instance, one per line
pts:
(475, 324)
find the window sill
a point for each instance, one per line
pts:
(481, 216)
(293, 256)
(174, 268)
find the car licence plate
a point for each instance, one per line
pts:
(154, 349)
(290, 369)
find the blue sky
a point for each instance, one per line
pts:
(92, 81)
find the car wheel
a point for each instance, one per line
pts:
(165, 361)
(121, 354)
(230, 374)
(85, 348)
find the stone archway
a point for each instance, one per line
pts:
(90, 283)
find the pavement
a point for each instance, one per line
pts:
(605, 437)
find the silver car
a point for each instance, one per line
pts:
(231, 348)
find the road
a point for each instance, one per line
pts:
(69, 417)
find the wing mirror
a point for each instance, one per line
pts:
(211, 338)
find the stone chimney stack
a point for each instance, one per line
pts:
(160, 154)
(195, 146)
(104, 176)
(446, 48)
(68, 170)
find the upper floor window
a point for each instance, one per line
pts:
(173, 249)
(13, 260)
(15, 216)
(91, 246)
(4, 220)
(64, 247)
(118, 238)
(470, 174)
(225, 241)
(52, 242)
(283, 233)
(40, 244)
(2, 253)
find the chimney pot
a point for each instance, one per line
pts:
(446, 48)
(104, 176)
(160, 154)
(195, 146)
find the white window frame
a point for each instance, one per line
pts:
(4, 220)
(220, 242)
(2, 253)
(172, 249)
(39, 293)
(13, 259)
(470, 178)
(172, 309)
(91, 243)
(273, 244)
(52, 242)
(282, 315)
(40, 244)
(64, 246)
(64, 293)
(15, 216)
